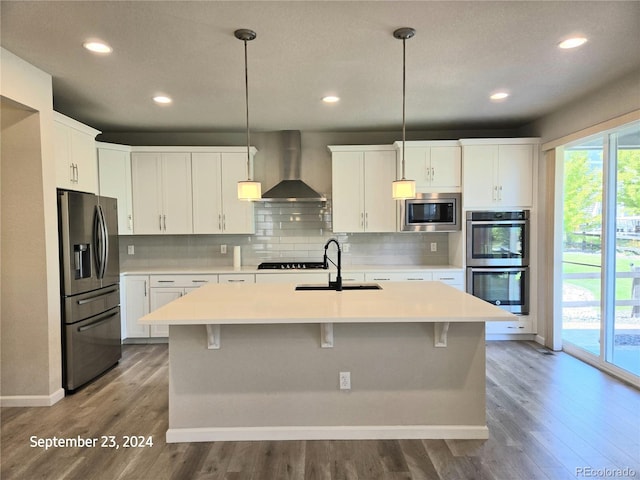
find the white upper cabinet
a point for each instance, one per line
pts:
(114, 169)
(499, 174)
(216, 208)
(434, 165)
(361, 184)
(75, 154)
(162, 201)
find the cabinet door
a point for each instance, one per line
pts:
(176, 193)
(380, 207)
(83, 155)
(159, 298)
(416, 167)
(207, 197)
(65, 170)
(146, 179)
(445, 167)
(136, 294)
(348, 192)
(515, 175)
(114, 167)
(479, 175)
(237, 215)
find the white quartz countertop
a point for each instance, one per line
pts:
(254, 269)
(281, 304)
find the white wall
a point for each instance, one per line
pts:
(30, 322)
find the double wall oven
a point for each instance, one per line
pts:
(498, 258)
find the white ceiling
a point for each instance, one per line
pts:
(462, 52)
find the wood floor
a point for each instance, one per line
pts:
(550, 416)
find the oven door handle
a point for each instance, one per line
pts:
(486, 223)
(498, 269)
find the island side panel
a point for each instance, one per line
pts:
(278, 376)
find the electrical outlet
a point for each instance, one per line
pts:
(434, 247)
(131, 250)
(345, 380)
(223, 249)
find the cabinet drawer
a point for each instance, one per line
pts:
(349, 277)
(451, 278)
(182, 280)
(237, 278)
(397, 276)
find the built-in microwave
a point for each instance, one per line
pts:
(431, 212)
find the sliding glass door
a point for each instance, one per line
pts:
(601, 247)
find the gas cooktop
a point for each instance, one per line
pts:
(290, 265)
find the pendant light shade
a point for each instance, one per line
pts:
(404, 189)
(249, 189)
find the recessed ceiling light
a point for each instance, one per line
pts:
(162, 99)
(97, 46)
(330, 99)
(499, 96)
(572, 42)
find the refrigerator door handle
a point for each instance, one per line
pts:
(98, 322)
(101, 240)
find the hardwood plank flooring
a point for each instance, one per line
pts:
(550, 417)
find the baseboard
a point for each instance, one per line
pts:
(365, 432)
(539, 339)
(511, 336)
(32, 400)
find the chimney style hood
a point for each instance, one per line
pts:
(291, 188)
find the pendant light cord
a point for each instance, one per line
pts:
(404, 89)
(246, 98)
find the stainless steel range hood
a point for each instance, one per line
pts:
(291, 188)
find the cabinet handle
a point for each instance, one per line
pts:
(130, 222)
(164, 220)
(366, 220)
(224, 222)
(72, 173)
(409, 279)
(77, 174)
(446, 278)
(145, 288)
(166, 281)
(235, 281)
(500, 193)
(219, 222)
(200, 281)
(433, 173)
(381, 279)
(160, 222)
(362, 219)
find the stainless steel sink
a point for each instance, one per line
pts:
(346, 286)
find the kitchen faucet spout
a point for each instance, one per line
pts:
(338, 283)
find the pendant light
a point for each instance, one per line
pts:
(247, 190)
(404, 189)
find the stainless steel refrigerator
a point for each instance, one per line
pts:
(89, 286)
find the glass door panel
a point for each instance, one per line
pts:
(582, 245)
(623, 336)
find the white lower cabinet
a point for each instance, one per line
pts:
(523, 324)
(135, 304)
(236, 278)
(146, 293)
(397, 276)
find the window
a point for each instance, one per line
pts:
(601, 247)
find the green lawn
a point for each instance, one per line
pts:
(623, 264)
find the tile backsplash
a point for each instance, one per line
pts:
(284, 232)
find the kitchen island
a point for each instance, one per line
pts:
(263, 361)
